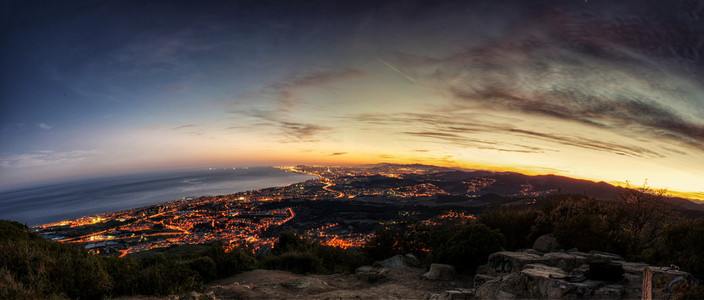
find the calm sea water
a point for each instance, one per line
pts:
(53, 203)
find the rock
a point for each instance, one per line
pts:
(371, 274)
(510, 286)
(504, 262)
(572, 250)
(394, 262)
(564, 261)
(440, 272)
(532, 251)
(598, 255)
(665, 283)
(199, 296)
(457, 294)
(546, 243)
(411, 260)
(306, 283)
(605, 271)
(632, 267)
(612, 291)
(480, 279)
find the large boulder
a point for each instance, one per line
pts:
(440, 272)
(394, 262)
(480, 279)
(546, 243)
(504, 262)
(536, 281)
(411, 260)
(371, 274)
(565, 261)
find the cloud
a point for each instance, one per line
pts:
(43, 158)
(184, 126)
(634, 73)
(286, 93)
(458, 129)
(302, 132)
(338, 153)
(13, 127)
(44, 126)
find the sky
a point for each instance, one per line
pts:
(602, 90)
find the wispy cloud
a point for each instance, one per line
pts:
(184, 126)
(630, 74)
(338, 153)
(44, 126)
(42, 158)
(456, 129)
(286, 93)
(302, 132)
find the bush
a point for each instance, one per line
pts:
(296, 262)
(297, 254)
(37, 268)
(682, 243)
(515, 225)
(468, 246)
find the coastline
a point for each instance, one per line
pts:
(69, 202)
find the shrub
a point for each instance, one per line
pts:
(515, 225)
(38, 268)
(296, 262)
(468, 246)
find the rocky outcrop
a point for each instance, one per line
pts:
(440, 272)
(593, 275)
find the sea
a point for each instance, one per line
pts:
(72, 200)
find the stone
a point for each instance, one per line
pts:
(632, 267)
(306, 283)
(511, 286)
(532, 251)
(546, 243)
(457, 294)
(665, 283)
(199, 296)
(411, 260)
(504, 262)
(396, 261)
(480, 279)
(612, 291)
(440, 272)
(564, 261)
(606, 271)
(598, 255)
(371, 274)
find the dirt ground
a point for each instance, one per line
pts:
(402, 283)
